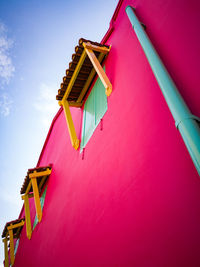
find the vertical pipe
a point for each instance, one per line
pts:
(185, 121)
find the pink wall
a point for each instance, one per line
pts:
(135, 198)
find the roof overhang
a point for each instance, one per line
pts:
(86, 62)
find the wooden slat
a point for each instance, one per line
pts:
(76, 72)
(96, 48)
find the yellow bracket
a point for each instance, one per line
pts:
(12, 256)
(72, 132)
(36, 196)
(10, 231)
(89, 80)
(33, 182)
(12, 226)
(107, 84)
(96, 48)
(27, 214)
(39, 174)
(5, 241)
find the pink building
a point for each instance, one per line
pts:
(127, 194)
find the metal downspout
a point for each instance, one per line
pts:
(185, 121)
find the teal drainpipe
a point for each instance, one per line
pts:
(184, 120)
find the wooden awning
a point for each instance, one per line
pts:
(74, 89)
(42, 173)
(16, 225)
(11, 230)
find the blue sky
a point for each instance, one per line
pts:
(37, 39)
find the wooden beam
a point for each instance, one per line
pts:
(91, 76)
(5, 241)
(28, 195)
(12, 256)
(43, 180)
(72, 132)
(36, 199)
(28, 188)
(39, 174)
(12, 226)
(74, 104)
(75, 74)
(99, 71)
(96, 48)
(27, 217)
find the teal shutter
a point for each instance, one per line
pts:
(42, 198)
(16, 246)
(94, 110)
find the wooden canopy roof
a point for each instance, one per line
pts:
(19, 223)
(42, 175)
(85, 75)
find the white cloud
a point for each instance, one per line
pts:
(46, 104)
(6, 66)
(5, 104)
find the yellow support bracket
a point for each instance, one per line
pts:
(5, 241)
(89, 80)
(72, 132)
(12, 226)
(27, 214)
(36, 198)
(100, 71)
(12, 256)
(39, 174)
(96, 48)
(28, 188)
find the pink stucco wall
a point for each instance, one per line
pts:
(134, 200)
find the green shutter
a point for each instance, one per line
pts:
(94, 109)
(16, 246)
(42, 198)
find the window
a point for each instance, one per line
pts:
(86, 62)
(94, 109)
